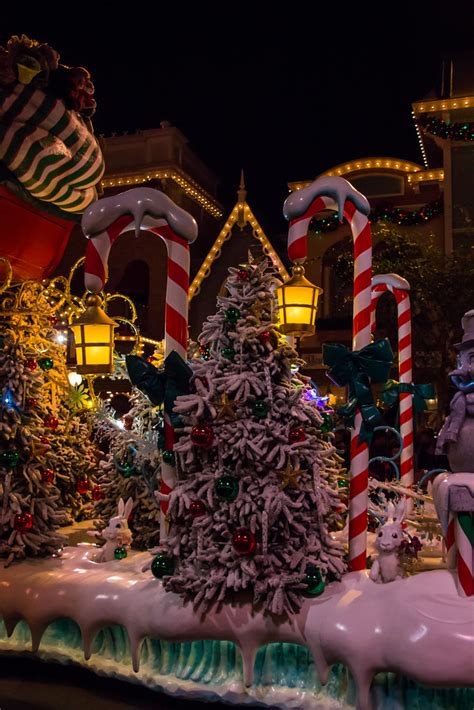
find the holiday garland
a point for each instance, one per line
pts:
(385, 214)
(463, 131)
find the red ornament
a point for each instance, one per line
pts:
(52, 320)
(197, 508)
(23, 521)
(243, 275)
(202, 435)
(150, 359)
(44, 440)
(296, 435)
(98, 492)
(264, 337)
(82, 486)
(243, 541)
(31, 402)
(51, 422)
(47, 475)
(31, 364)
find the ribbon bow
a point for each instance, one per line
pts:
(161, 386)
(357, 370)
(393, 389)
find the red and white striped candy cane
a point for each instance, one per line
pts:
(147, 209)
(453, 495)
(464, 536)
(399, 287)
(338, 194)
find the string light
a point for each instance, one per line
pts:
(385, 214)
(240, 209)
(443, 104)
(189, 186)
(462, 131)
(420, 142)
(403, 166)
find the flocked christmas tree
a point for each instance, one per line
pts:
(45, 422)
(129, 469)
(257, 496)
(30, 503)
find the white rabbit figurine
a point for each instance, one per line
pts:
(386, 568)
(117, 533)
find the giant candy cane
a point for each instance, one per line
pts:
(300, 207)
(148, 209)
(399, 287)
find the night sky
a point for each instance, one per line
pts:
(283, 94)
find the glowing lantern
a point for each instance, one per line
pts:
(297, 304)
(94, 339)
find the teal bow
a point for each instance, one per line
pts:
(161, 386)
(358, 370)
(392, 390)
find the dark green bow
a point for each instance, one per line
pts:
(163, 385)
(357, 370)
(391, 394)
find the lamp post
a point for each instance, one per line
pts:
(298, 304)
(94, 339)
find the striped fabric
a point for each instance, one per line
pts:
(49, 149)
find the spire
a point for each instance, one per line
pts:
(242, 198)
(242, 192)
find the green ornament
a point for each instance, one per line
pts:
(9, 459)
(232, 315)
(46, 363)
(120, 553)
(125, 468)
(227, 488)
(162, 566)
(314, 582)
(228, 353)
(342, 483)
(327, 424)
(169, 457)
(260, 409)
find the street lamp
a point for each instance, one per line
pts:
(297, 304)
(94, 339)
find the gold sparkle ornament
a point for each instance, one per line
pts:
(257, 308)
(289, 477)
(227, 408)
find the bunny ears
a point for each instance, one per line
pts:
(124, 509)
(396, 514)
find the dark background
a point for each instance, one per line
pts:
(285, 94)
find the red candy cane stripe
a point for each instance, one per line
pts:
(384, 283)
(177, 286)
(297, 252)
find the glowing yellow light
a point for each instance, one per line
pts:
(94, 339)
(297, 304)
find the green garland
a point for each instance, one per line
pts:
(385, 214)
(450, 131)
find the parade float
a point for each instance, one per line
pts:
(256, 593)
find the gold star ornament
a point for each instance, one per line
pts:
(227, 408)
(289, 477)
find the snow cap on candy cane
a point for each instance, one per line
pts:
(299, 208)
(148, 208)
(393, 280)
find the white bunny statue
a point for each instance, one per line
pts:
(386, 568)
(117, 534)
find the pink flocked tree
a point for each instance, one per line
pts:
(257, 497)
